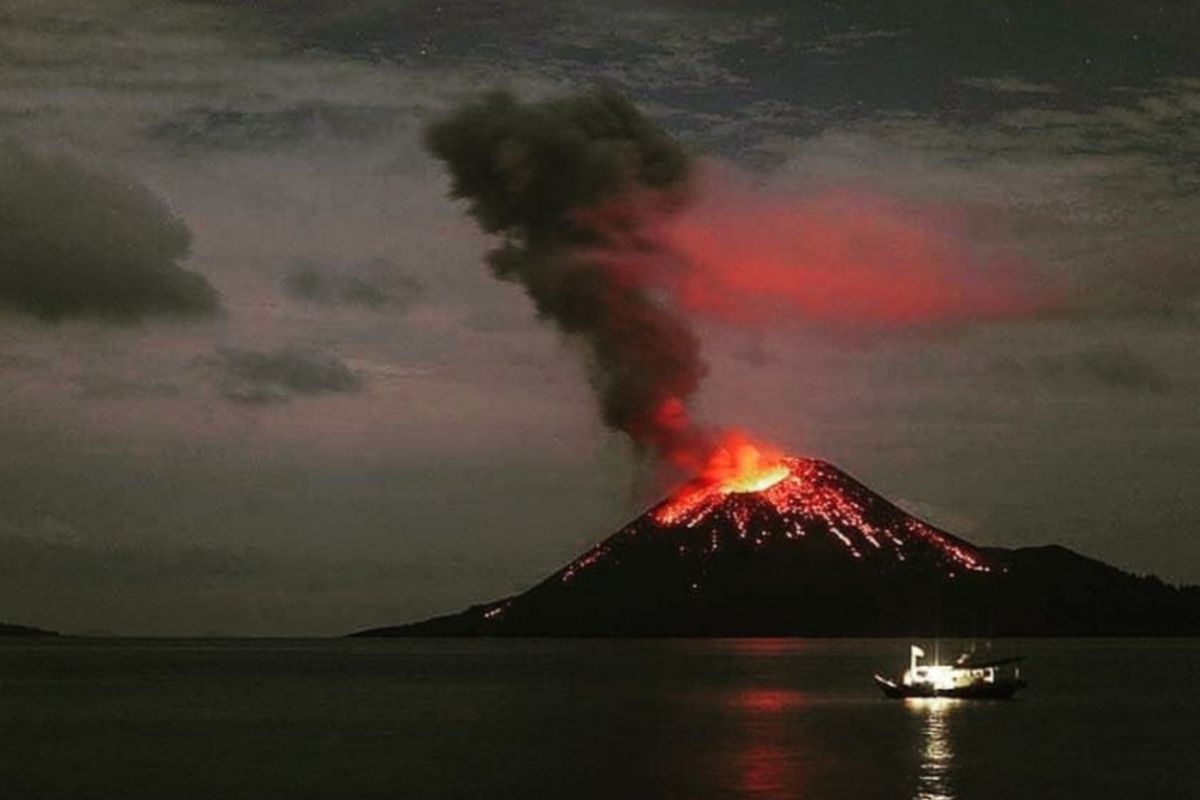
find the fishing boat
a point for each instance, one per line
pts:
(967, 678)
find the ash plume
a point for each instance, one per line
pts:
(616, 234)
(559, 180)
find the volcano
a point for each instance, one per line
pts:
(796, 547)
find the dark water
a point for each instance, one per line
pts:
(583, 719)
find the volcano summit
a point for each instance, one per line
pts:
(796, 547)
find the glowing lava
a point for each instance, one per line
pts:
(738, 465)
(741, 466)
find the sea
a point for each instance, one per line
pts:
(613, 719)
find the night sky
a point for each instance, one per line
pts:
(256, 379)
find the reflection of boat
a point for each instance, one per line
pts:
(993, 679)
(934, 780)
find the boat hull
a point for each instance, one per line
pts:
(1000, 690)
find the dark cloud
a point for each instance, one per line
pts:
(556, 179)
(375, 285)
(256, 377)
(76, 243)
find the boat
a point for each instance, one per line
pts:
(967, 678)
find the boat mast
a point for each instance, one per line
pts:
(914, 653)
(937, 623)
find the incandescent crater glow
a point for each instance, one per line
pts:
(757, 481)
(737, 465)
(741, 465)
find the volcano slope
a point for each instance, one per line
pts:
(806, 550)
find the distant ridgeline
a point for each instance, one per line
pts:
(23, 630)
(819, 554)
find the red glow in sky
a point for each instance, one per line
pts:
(843, 260)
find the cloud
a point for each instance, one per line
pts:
(254, 377)
(77, 243)
(375, 285)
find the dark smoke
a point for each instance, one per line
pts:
(261, 378)
(558, 180)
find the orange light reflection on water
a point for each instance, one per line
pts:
(766, 766)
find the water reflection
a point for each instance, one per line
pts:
(937, 754)
(764, 764)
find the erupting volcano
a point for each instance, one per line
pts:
(764, 544)
(604, 221)
(749, 501)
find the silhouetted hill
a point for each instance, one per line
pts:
(816, 553)
(23, 630)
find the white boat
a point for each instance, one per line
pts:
(967, 677)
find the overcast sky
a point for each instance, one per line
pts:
(255, 378)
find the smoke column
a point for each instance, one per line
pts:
(532, 172)
(616, 234)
